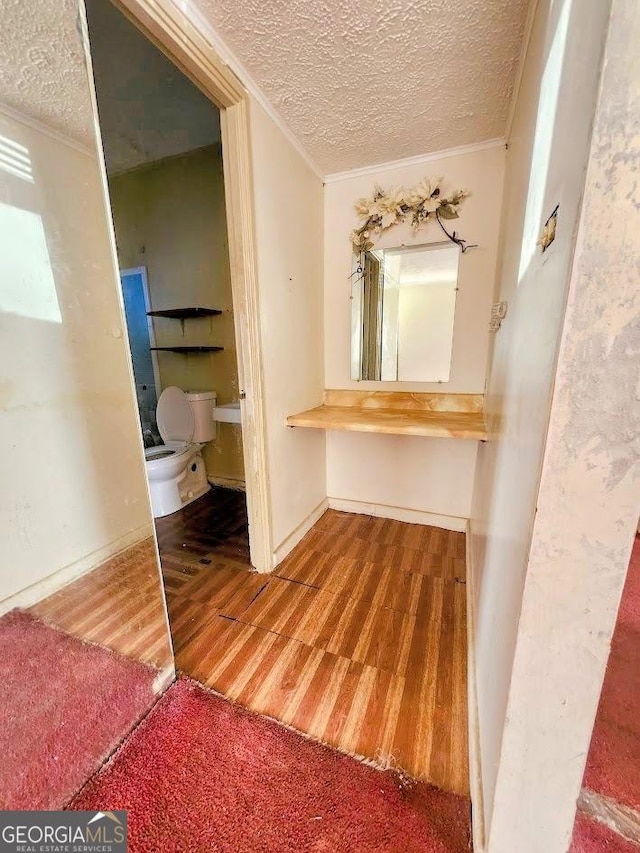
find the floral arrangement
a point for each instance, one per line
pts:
(419, 205)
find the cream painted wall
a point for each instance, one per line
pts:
(365, 468)
(546, 163)
(289, 234)
(170, 217)
(74, 489)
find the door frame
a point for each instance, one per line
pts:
(172, 32)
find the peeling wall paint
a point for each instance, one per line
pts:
(556, 509)
(589, 497)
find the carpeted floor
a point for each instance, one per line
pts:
(611, 785)
(64, 706)
(613, 766)
(592, 837)
(203, 774)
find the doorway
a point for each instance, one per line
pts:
(192, 61)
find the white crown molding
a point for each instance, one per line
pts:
(47, 130)
(414, 161)
(528, 29)
(229, 58)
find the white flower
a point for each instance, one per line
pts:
(363, 207)
(388, 219)
(430, 205)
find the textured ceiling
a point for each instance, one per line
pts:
(357, 82)
(363, 82)
(43, 72)
(148, 109)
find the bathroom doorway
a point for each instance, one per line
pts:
(162, 144)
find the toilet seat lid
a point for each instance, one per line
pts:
(174, 415)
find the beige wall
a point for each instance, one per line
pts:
(289, 238)
(546, 163)
(72, 469)
(589, 494)
(401, 472)
(170, 217)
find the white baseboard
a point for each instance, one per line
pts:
(228, 483)
(398, 513)
(52, 583)
(164, 679)
(475, 765)
(288, 544)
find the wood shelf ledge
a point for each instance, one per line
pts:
(186, 350)
(184, 313)
(398, 413)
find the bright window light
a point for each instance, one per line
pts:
(545, 125)
(27, 285)
(14, 158)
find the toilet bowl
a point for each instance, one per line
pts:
(175, 469)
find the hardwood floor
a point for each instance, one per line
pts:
(358, 639)
(118, 605)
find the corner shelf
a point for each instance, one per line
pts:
(184, 313)
(187, 349)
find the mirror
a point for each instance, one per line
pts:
(403, 307)
(83, 626)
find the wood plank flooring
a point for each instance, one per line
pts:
(358, 639)
(118, 605)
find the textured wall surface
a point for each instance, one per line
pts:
(365, 83)
(546, 164)
(589, 496)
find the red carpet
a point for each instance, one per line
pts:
(613, 765)
(64, 706)
(592, 837)
(202, 774)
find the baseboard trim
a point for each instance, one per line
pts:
(52, 583)
(228, 483)
(413, 516)
(164, 679)
(475, 765)
(288, 544)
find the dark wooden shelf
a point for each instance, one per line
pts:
(187, 349)
(184, 313)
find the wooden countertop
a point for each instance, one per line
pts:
(398, 413)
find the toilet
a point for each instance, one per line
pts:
(175, 469)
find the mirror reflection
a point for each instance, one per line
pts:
(83, 624)
(403, 311)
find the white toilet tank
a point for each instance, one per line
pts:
(204, 426)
